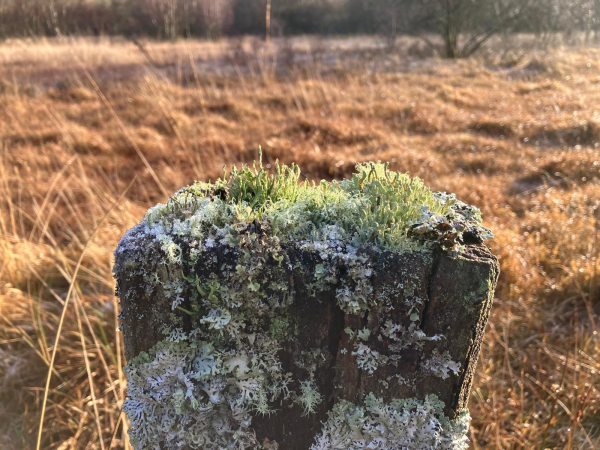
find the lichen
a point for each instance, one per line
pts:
(400, 338)
(217, 253)
(309, 397)
(190, 393)
(400, 424)
(441, 365)
(173, 402)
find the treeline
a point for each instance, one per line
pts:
(170, 19)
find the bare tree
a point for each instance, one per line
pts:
(465, 25)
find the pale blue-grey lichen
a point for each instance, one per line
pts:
(400, 424)
(200, 389)
(400, 338)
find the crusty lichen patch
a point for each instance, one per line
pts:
(217, 254)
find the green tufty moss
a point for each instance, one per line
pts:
(375, 206)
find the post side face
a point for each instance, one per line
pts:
(282, 345)
(460, 300)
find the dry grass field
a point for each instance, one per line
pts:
(92, 133)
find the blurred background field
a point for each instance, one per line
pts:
(93, 131)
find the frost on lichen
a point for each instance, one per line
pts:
(201, 388)
(398, 425)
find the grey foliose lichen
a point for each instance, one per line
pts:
(400, 424)
(201, 389)
(187, 394)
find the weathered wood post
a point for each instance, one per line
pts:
(261, 312)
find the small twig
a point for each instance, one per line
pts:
(144, 52)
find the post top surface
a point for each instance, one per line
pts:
(378, 207)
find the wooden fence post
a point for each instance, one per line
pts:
(261, 312)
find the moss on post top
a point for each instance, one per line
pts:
(389, 210)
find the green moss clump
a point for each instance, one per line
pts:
(376, 206)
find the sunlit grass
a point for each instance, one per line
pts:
(518, 140)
